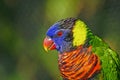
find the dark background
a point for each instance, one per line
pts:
(23, 24)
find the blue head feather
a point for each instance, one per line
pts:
(61, 42)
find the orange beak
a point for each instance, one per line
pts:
(48, 44)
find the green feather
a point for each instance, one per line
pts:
(109, 59)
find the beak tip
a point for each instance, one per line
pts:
(46, 49)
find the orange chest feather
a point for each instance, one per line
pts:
(80, 64)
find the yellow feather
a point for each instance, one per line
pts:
(79, 33)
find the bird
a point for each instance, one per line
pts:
(82, 55)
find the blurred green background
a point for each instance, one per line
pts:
(23, 24)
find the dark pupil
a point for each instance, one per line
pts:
(60, 33)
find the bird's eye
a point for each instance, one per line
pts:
(59, 33)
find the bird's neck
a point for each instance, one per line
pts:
(79, 64)
(82, 38)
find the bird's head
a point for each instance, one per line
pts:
(65, 35)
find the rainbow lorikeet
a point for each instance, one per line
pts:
(82, 55)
